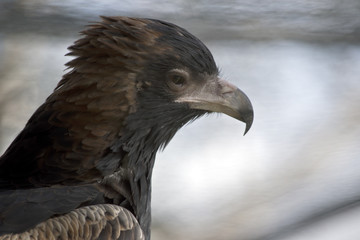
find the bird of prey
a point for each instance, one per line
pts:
(81, 168)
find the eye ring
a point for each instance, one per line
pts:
(177, 79)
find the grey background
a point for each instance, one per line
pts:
(294, 176)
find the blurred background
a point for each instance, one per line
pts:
(294, 176)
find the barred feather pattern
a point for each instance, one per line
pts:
(102, 221)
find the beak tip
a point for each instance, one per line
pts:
(248, 121)
(247, 128)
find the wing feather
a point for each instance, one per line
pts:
(102, 221)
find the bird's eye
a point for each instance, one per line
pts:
(177, 80)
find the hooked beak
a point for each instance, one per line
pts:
(223, 97)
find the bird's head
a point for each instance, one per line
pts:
(157, 73)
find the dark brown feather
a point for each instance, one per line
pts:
(81, 168)
(105, 222)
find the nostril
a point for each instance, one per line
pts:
(227, 91)
(226, 87)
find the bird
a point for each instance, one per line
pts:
(81, 168)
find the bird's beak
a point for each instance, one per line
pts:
(223, 97)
